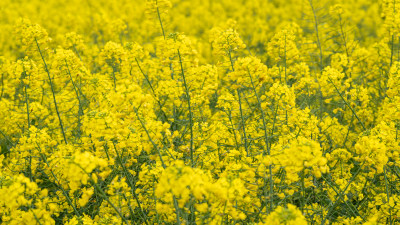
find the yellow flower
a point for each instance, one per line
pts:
(288, 216)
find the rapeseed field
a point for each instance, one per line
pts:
(200, 112)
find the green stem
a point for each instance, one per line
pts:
(178, 220)
(233, 128)
(388, 196)
(36, 218)
(52, 91)
(159, 19)
(80, 110)
(27, 103)
(102, 194)
(240, 105)
(2, 86)
(148, 135)
(340, 194)
(285, 62)
(58, 184)
(262, 114)
(243, 123)
(317, 34)
(131, 184)
(114, 78)
(152, 89)
(190, 108)
(348, 105)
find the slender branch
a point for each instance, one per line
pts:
(102, 194)
(2, 86)
(148, 135)
(340, 195)
(190, 109)
(240, 104)
(317, 34)
(52, 91)
(388, 196)
(59, 185)
(348, 105)
(80, 110)
(176, 209)
(271, 189)
(243, 123)
(27, 100)
(132, 185)
(159, 19)
(152, 89)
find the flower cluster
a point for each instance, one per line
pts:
(199, 112)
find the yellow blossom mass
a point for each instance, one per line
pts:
(199, 112)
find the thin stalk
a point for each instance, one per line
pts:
(148, 135)
(348, 105)
(303, 192)
(145, 76)
(193, 214)
(190, 108)
(317, 34)
(36, 218)
(7, 137)
(233, 129)
(152, 89)
(230, 58)
(102, 194)
(271, 183)
(392, 47)
(2, 86)
(80, 110)
(76, 51)
(29, 125)
(240, 105)
(114, 78)
(340, 195)
(132, 185)
(178, 220)
(320, 54)
(27, 103)
(60, 186)
(159, 19)
(392, 51)
(243, 123)
(271, 187)
(388, 196)
(27, 107)
(348, 132)
(398, 50)
(129, 207)
(344, 38)
(262, 114)
(52, 91)
(350, 206)
(285, 62)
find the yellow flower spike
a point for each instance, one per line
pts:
(31, 33)
(289, 215)
(225, 42)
